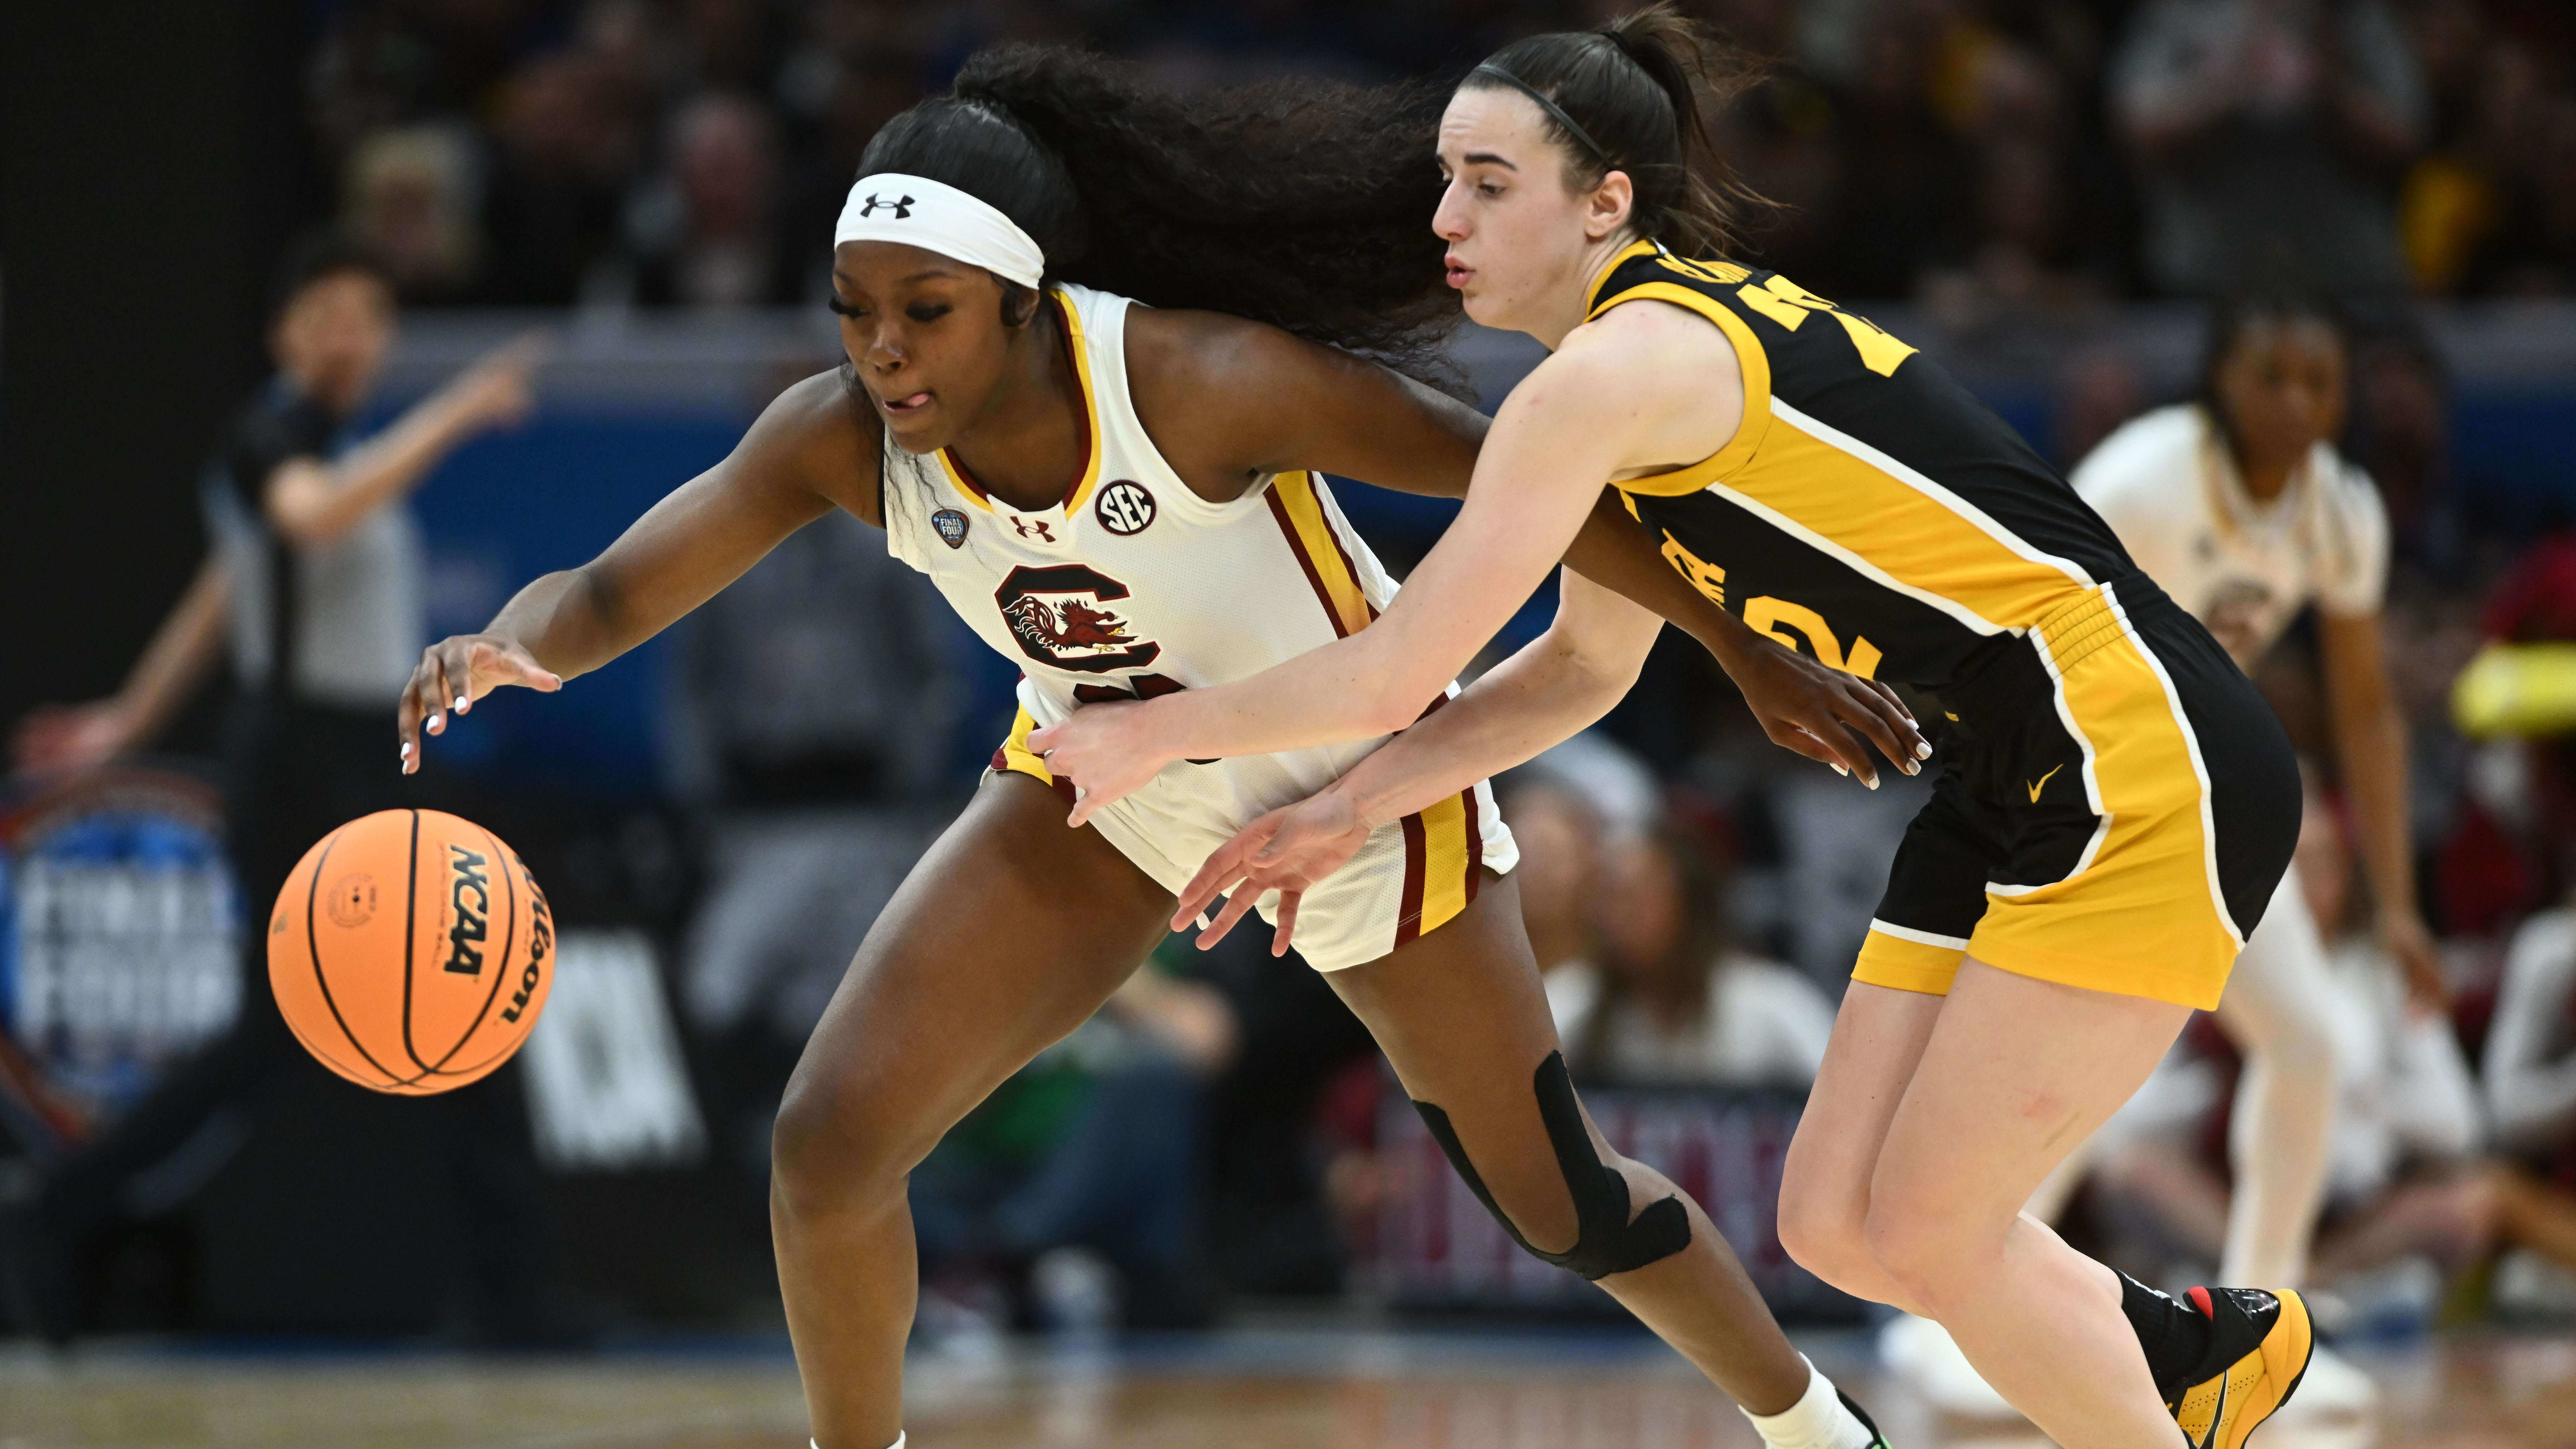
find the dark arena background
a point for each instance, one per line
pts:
(1210, 1216)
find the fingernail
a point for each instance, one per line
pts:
(437, 723)
(463, 704)
(1922, 749)
(1871, 781)
(406, 749)
(1912, 768)
(1839, 770)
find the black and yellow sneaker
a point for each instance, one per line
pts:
(1877, 1440)
(2259, 1345)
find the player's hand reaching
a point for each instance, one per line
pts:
(1104, 751)
(2410, 943)
(455, 672)
(73, 737)
(498, 390)
(1814, 709)
(1290, 850)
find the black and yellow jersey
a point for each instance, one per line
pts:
(1869, 511)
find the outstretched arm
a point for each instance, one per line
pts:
(1645, 388)
(312, 502)
(1233, 400)
(1566, 430)
(1559, 683)
(182, 652)
(806, 452)
(1555, 687)
(1240, 401)
(1802, 704)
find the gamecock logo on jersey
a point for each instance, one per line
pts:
(1057, 617)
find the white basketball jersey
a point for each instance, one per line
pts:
(1133, 586)
(2167, 484)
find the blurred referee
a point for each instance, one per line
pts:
(314, 583)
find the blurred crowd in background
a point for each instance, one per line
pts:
(1695, 895)
(1984, 154)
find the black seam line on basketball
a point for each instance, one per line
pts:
(313, 951)
(501, 963)
(481, 1064)
(325, 1058)
(309, 1044)
(411, 927)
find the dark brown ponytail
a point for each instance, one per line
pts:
(1634, 89)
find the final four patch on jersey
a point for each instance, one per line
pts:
(1124, 508)
(951, 525)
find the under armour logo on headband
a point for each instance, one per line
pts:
(937, 217)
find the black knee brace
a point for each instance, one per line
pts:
(1605, 1242)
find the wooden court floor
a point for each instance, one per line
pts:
(1253, 1389)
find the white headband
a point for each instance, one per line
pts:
(937, 217)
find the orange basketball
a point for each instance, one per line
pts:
(410, 951)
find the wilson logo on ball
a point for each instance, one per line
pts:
(468, 875)
(541, 939)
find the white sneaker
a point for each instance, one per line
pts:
(1923, 1355)
(2331, 1389)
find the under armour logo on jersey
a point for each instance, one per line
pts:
(1032, 528)
(902, 209)
(1124, 508)
(951, 525)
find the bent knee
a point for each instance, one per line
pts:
(1820, 1228)
(1534, 1200)
(1933, 1255)
(830, 1153)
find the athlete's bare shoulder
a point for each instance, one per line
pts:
(1664, 379)
(1186, 370)
(1168, 341)
(819, 435)
(1229, 402)
(1638, 342)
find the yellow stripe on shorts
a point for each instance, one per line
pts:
(2147, 891)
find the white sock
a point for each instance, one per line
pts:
(1817, 1421)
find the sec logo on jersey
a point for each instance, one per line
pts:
(1124, 508)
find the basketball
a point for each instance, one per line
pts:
(410, 951)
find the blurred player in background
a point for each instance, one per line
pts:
(2239, 505)
(313, 591)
